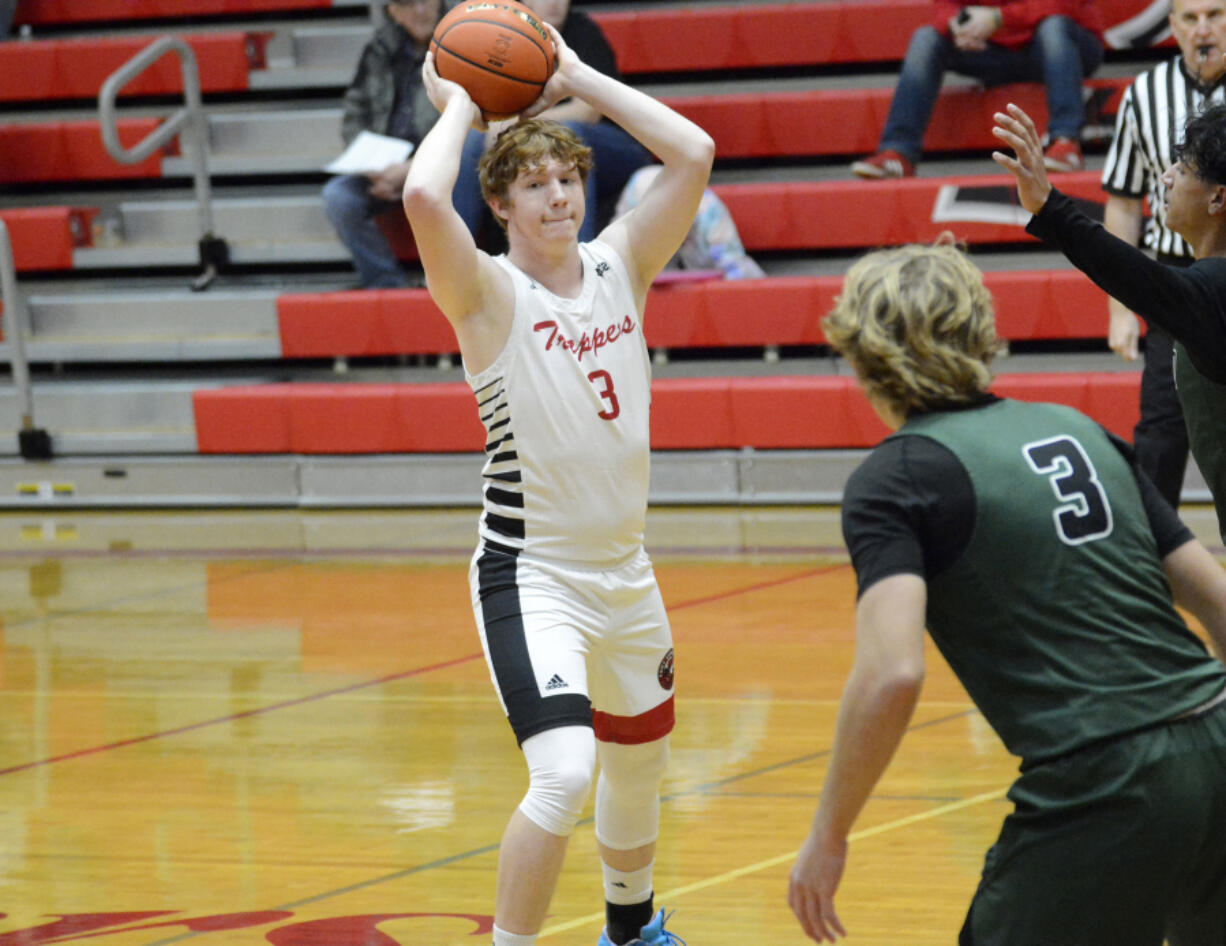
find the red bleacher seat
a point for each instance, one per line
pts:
(849, 121)
(794, 215)
(773, 124)
(687, 413)
(854, 213)
(72, 151)
(1037, 304)
(756, 36)
(369, 322)
(48, 12)
(44, 70)
(43, 237)
(731, 36)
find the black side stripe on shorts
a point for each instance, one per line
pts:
(502, 617)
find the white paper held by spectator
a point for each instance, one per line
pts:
(370, 152)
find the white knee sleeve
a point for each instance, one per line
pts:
(628, 793)
(560, 764)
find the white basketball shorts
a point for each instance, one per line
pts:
(573, 645)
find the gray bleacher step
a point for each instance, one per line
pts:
(300, 140)
(110, 349)
(107, 416)
(311, 57)
(258, 229)
(152, 325)
(678, 477)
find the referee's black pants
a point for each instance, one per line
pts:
(1160, 436)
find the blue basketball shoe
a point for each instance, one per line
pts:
(653, 934)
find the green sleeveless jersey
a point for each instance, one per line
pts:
(1057, 618)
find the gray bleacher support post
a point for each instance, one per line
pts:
(214, 253)
(33, 443)
(376, 13)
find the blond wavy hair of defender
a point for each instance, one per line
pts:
(918, 326)
(529, 144)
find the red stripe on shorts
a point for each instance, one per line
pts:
(634, 730)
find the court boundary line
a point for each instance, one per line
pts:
(778, 859)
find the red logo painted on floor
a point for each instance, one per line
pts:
(337, 931)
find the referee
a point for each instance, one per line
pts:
(1150, 121)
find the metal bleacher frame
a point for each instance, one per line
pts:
(189, 121)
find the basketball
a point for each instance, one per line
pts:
(498, 51)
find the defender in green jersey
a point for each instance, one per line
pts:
(1189, 303)
(1045, 567)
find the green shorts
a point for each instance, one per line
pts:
(1121, 843)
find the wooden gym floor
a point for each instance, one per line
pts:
(238, 727)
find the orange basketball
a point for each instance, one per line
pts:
(498, 50)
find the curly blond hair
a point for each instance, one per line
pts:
(918, 326)
(529, 144)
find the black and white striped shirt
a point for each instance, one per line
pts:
(1151, 118)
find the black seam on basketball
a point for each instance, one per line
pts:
(485, 68)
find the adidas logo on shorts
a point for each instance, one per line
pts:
(556, 683)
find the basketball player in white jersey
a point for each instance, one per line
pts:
(551, 335)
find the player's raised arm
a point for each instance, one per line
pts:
(463, 281)
(650, 234)
(446, 247)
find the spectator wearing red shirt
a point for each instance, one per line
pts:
(1056, 42)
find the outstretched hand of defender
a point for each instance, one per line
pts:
(558, 86)
(1016, 130)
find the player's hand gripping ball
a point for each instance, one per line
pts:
(498, 51)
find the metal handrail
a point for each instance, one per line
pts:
(189, 119)
(34, 443)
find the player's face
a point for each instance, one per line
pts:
(546, 202)
(416, 17)
(1187, 197)
(1199, 27)
(552, 12)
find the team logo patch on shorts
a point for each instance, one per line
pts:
(665, 673)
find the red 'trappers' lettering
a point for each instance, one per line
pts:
(585, 343)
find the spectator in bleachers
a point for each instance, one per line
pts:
(712, 243)
(387, 97)
(1056, 42)
(7, 9)
(616, 155)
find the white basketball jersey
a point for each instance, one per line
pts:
(565, 406)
